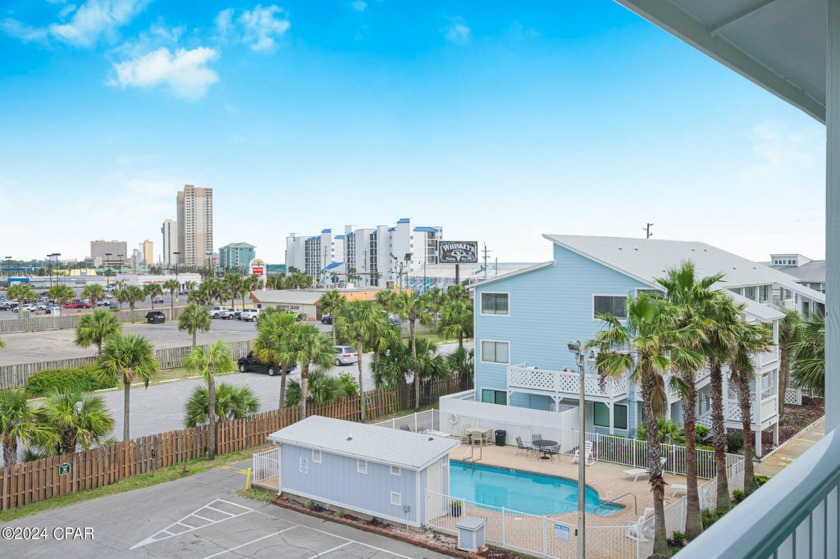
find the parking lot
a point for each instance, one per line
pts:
(197, 517)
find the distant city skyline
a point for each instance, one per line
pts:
(499, 121)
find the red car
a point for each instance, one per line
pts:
(77, 305)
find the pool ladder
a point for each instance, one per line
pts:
(635, 505)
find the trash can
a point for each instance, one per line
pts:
(500, 437)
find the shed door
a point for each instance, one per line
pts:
(436, 505)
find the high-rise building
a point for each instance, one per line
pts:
(148, 252)
(195, 226)
(170, 241)
(109, 251)
(236, 255)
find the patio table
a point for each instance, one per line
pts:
(544, 445)
(485, 433)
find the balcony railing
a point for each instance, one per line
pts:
(732, 410)
(565, 382)
(795, 514)
(768, 358)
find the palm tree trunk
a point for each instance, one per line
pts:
(719, 435)
(414, 360)
(20, 308)
(784, 376)
(746, 424)
(359, 349)
(171, 304)
(693, 522)
(654, 454)
(211, 434)
(304, 390)
(460, 340)
(126, 405)
(195, 333)
(283, 372)
(9, 450)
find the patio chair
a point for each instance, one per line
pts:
(465, 437)
(554, 451)
(405, 428)
(520, 446)
(642, 530)
(636, 472)
(588, 457)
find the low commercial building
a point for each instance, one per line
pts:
(305, 301)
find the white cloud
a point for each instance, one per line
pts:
(23, 32)
(359, 5)
(457, 31)
(781, 154)
(184, 72)
(259, 28)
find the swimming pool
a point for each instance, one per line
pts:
(521, 491)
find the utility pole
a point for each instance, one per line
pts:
(485, 252)
(646, 229)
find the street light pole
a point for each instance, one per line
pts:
(107, 267)
(576, 350)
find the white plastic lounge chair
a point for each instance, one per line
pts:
(642, 530)
(636, 472)
(677, 487)
(588, 458)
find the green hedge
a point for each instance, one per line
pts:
(83, 379)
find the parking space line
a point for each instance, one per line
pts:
(358, 542)
(201, 517)
(229, 515)
(345, 544)
(252, 541)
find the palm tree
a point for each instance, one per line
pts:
(721, 344)
(321, 388)
(153, 290)
(172, 286)
(21, 292)
(790, 332)
(216, 359)
(61, 293)
(131, 357)
(95, 328)
(809, 355)
(414, 307)
(456, 320)
(361, 320)
(457, 293)
(94, 292)
(331, 302)
(232, 402)
(234, 286)
(462, 363)
(251, 283)
(644, 346)
(133, 294)
(189, 285)
(18, 420)
(307, 346)
(76, 419)
(384, 298)
(274, 328)
(192, 319)
(751, 338)
(690, 294)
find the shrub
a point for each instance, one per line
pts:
(700, 433)
(677, 540)
(309, 504)
(761, 480)
(734, 442)
(709, 517)
(338, 513)
(738, 496)
(83, 379)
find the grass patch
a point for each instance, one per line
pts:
(180, 374)
(140, 481)
(261, 495)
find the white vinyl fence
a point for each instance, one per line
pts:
(266, 469)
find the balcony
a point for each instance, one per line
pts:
(732, 413)
(533, 380)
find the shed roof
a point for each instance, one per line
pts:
(365, 442)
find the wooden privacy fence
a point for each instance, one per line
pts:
(55, 476)
(12, 376)
(67, 321)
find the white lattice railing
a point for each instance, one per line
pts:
(266, 469)
(565, 382)
(768, 357)
(769, 407)
(793, 396)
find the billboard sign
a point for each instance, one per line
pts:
(458, 252)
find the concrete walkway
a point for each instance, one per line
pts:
(791, 449)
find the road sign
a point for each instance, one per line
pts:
(367, 400)
(64, 469)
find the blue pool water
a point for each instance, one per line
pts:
(521, 491)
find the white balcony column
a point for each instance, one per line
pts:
(832, 219)
(612, 420)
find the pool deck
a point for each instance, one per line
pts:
(606, 478)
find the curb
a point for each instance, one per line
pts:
(329, 517)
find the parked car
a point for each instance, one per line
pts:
(326, 319)
(103, 303)
(235, 312)
(77, 304)
(249, 314)
(250, 363)
(221, 312)
(27, 307)
(8, 305)
(155, 317)
(157, 299)
(113, 305)
(345, 355)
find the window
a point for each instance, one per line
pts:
(768, 385)
(495, 352)
(361, 466)
(395, 471)
(764, 293)
(614, 305)
(494, 397)
(316, 456)
(494, 303)
(602, 416)
(396, 499)
(303, 465)
(749, 292)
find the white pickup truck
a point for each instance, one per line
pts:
(249, 314)
(221, 312)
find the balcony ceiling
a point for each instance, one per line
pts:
(778, 44)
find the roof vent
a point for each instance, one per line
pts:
(619, 248)
(431, 438)
(635, 248)
(350, 437)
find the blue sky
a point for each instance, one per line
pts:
(498, 121)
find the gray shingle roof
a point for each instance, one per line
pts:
(365, 442)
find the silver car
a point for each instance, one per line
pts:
(345, 355)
